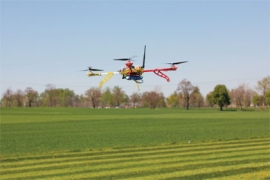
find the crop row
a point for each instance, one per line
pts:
(247, 158)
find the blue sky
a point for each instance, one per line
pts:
(49, 42)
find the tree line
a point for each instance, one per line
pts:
(186, 95)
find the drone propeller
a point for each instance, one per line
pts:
(122, 59)
(126, 59)
(177, 62)
(91, 69)
(144, 57)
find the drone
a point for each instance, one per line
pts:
(131, 72)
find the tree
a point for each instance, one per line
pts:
(93, 94)
(263, 86)
(267, 98)
(221, 96)
(19, 97)
(185, 87)
(51, 95)
(152, 98)
(210, 99)
(196, 98)
(162, 102)
(107, 98)
(31, 96)
(241, 96)
(118, 95)
(126, 100)
(256, 100)
(8, 97)
(135, 99)
(182, 101)
(77, 100)
(65, 97)
(173, 100)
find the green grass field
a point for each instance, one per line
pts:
(77, 143)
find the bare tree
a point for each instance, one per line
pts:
(51, 94)
(31, 95)
(19, 97)
(8, 97)
(135, 98)
(77, 101)
(237, 96)
(162, 102)
(196, 98)
(118, 95)
(152, 98)
(126, 100)
(241, 95)
(182, 101)
(93, 94)
(248, 97)
(185, 87)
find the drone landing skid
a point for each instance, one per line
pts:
(160, 74)
(106, 78)
(137, 79)
(109, 75)
(137, 85)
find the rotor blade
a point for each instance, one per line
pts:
(122, 59)
(144, 57)
(95, 69)
(91, 69)
(177, 62)
(133, 57)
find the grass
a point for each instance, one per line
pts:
(37, 130)
(77, 143)
(178, 161)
